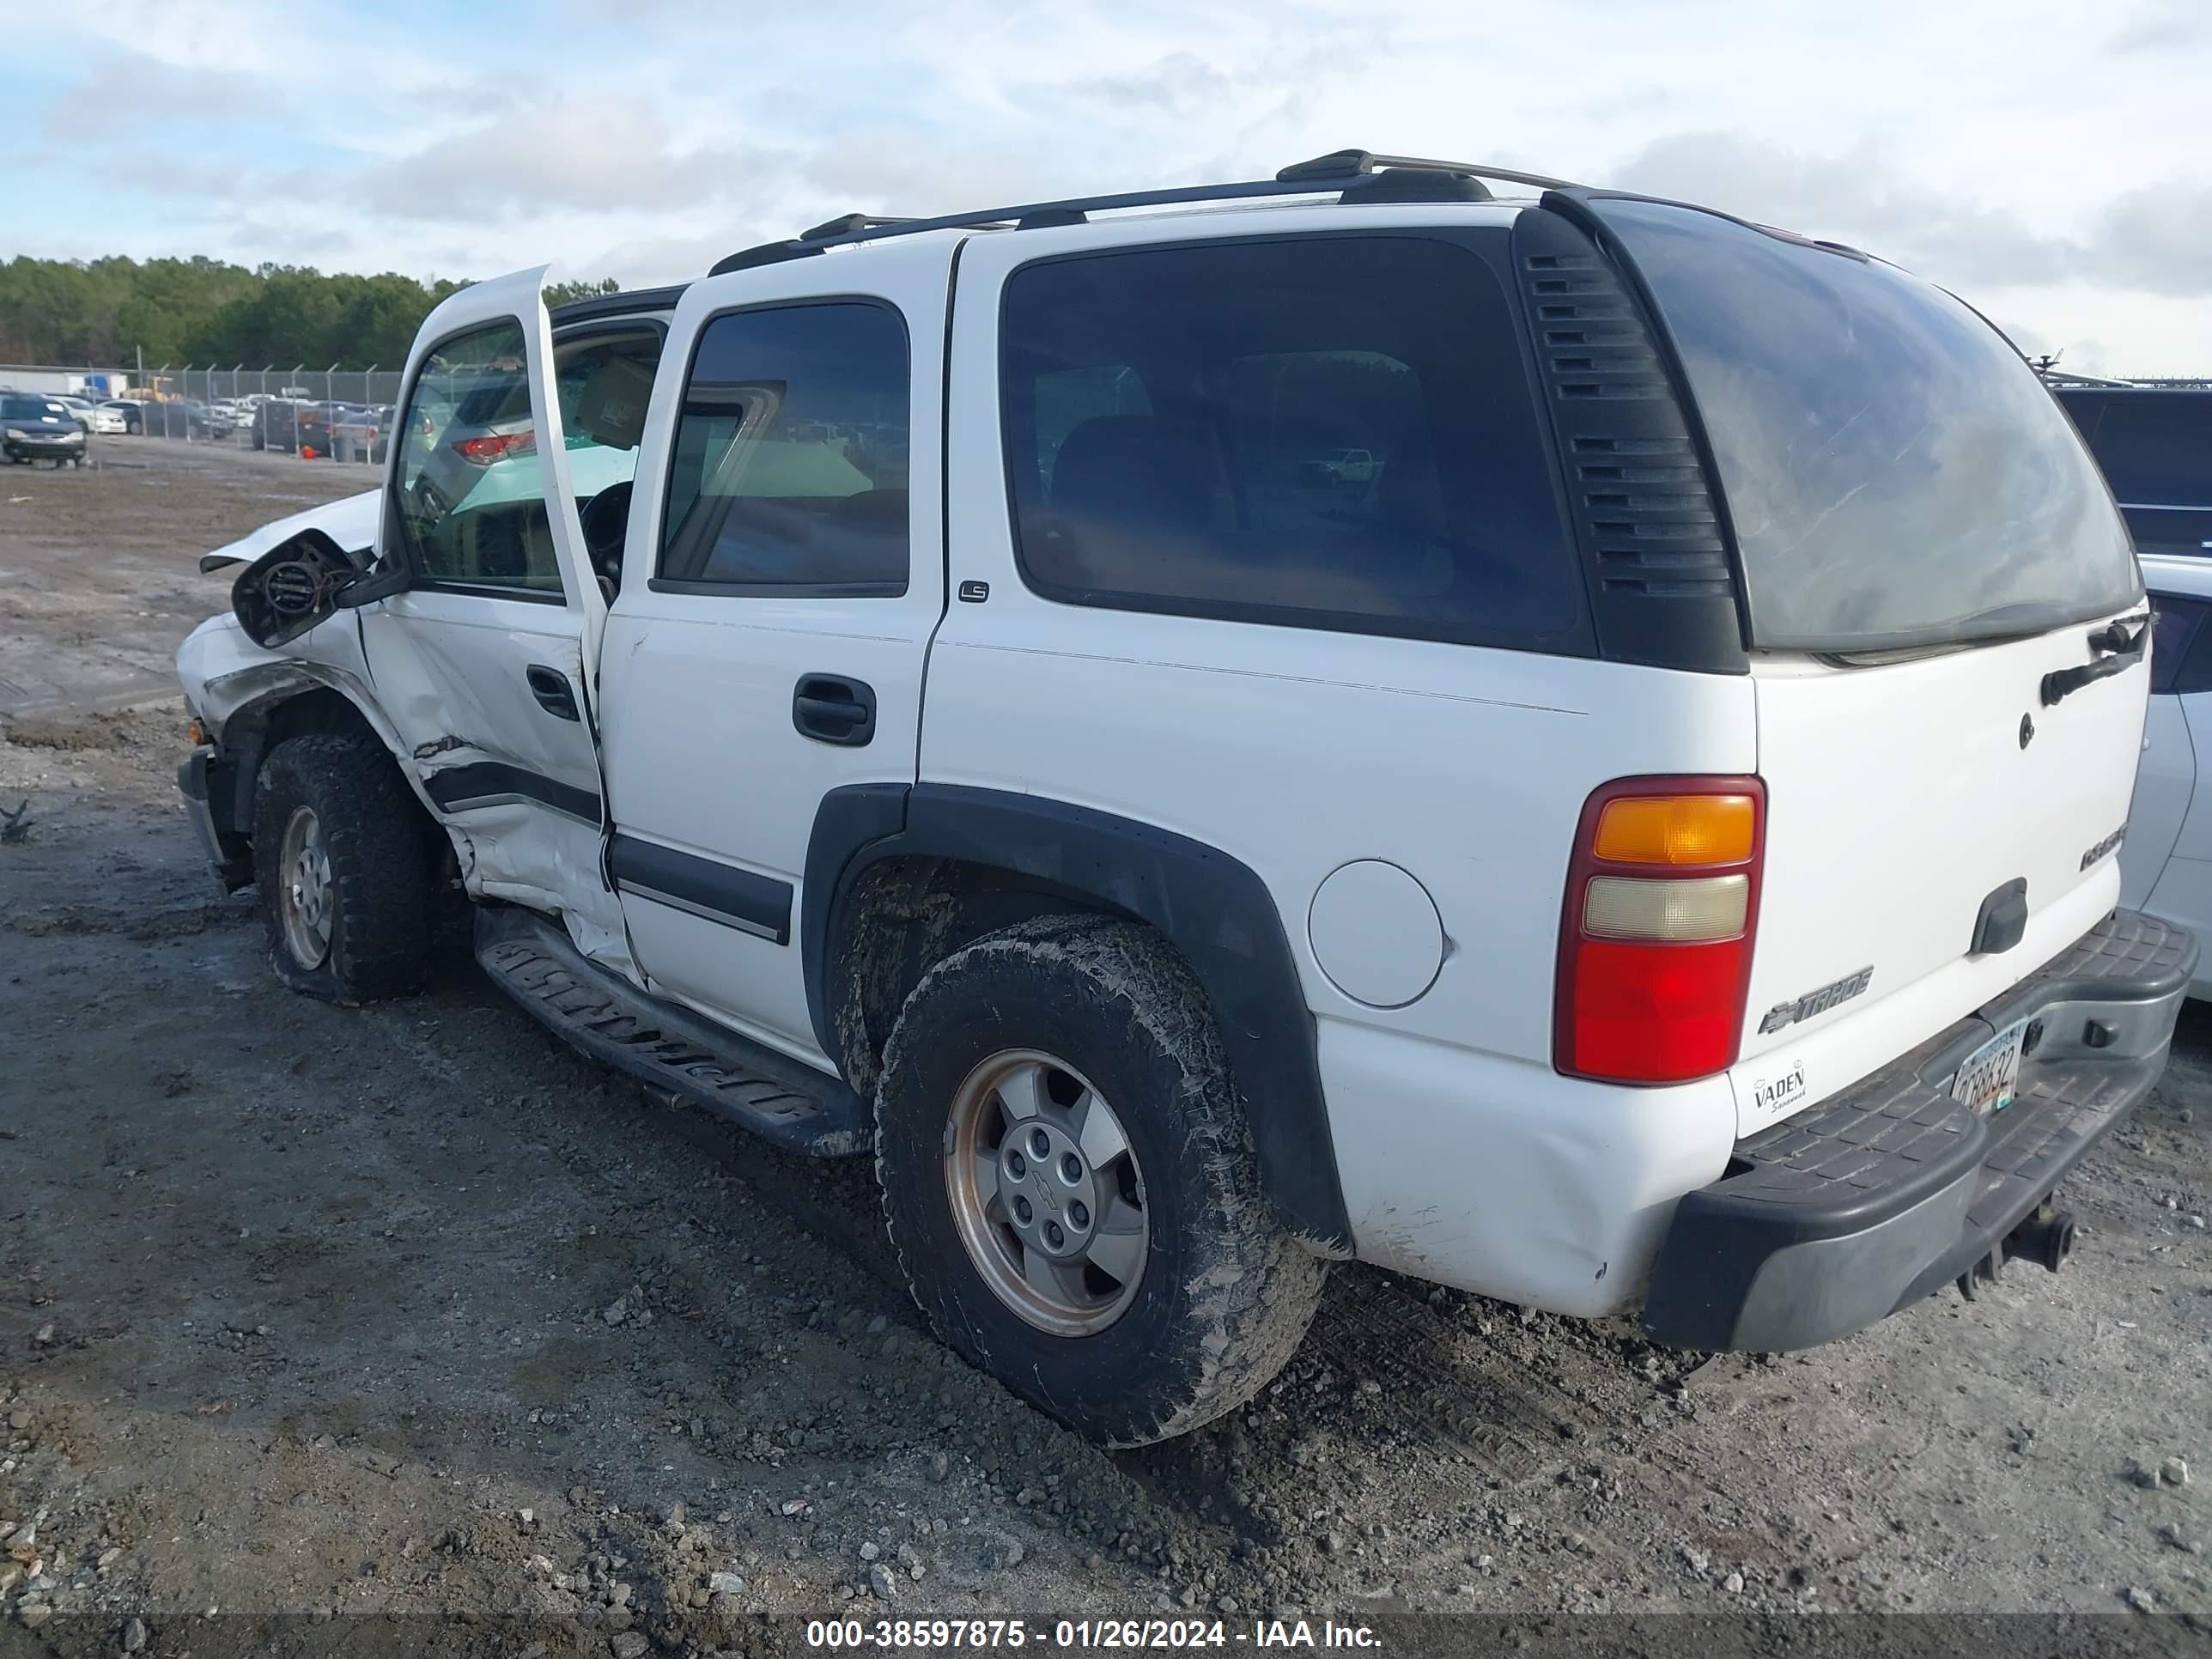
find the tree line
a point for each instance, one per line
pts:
(106, 313)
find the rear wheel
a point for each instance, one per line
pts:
(345, 875)
(1071, 1184)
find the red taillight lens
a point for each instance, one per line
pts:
(496, 447)
(1655, 933)
(1656, 1013)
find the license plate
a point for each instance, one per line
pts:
(1989, 1076)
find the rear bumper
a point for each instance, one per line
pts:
(1863, 1204)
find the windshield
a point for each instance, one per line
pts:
(28, 409)
(1897, 476)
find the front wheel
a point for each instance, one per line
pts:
(1072, 1187)
(345, 875)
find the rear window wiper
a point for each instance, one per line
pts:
(2121, 634)
(2123, 641)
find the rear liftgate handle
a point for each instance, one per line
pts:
(830, 708)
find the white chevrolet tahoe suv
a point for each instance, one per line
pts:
(1646, 845)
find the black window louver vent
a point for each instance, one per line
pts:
(1643, 508)
(1642, 500)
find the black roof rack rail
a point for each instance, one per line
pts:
(619, 304)
(1340, 163)
(844, 223)
(1356, 174)
(761, 253)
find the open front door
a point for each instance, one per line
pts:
(485, 661)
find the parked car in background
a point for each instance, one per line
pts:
(2165, 863)
(181, 417)
(97, 419)
(34, 428)
(2154, 445)
(360, 431)
(130, 411)
(1341, 466)
(291, 423)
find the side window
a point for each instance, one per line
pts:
(789, 467)
(1066, 398)
(2156, 448)
(605, 383)
(2181, 648)
(468, 504)
(1331, 432)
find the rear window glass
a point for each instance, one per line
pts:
(1329, 432)
(1896, 474)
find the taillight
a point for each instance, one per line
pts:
(496, 447)
(1656, 934)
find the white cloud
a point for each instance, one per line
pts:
(2042, 156)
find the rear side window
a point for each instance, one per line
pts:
(2156, 447)
(1333, 432)
(1897, 475)
(789, 472)
(2178, 662)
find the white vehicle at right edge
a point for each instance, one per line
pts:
(2165, 863)
(1566, 745)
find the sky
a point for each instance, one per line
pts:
(2047, 160)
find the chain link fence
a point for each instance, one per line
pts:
(332, 414)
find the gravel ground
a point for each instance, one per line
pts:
(308, 1314)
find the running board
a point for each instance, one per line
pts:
(668, 1048)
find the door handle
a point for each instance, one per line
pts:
(551, 688)
(830, 708)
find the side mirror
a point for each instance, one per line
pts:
(293, 587)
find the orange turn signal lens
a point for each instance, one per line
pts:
(196, 733)
(1675, 830)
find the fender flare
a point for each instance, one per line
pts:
(261, 685)
(249, 694)
(1211, 906)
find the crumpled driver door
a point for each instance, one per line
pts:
(485, 663)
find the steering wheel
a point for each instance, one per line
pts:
(606, 522)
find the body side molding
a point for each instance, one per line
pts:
(706, 888)
(483, 783)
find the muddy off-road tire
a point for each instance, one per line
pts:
(345, 875)
(1071, 1184)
